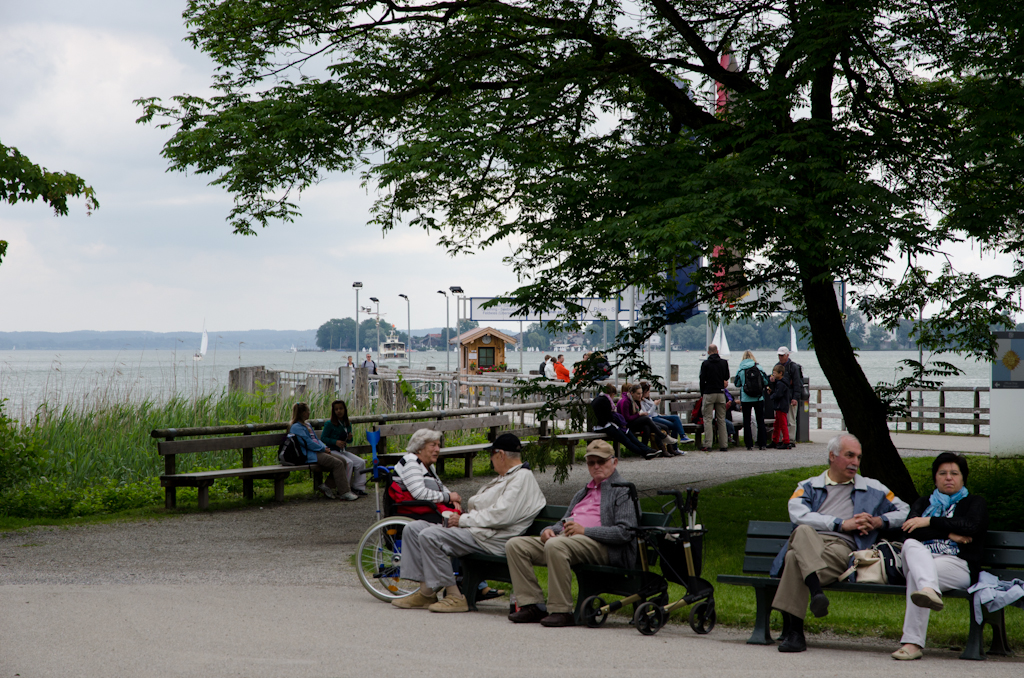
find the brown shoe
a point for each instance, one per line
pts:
(414, 601)
(527, 614)
(558, 619)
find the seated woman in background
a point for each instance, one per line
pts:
(639, 422)
(337, 434)
(318, 453)
(944, 551)
(669, 422)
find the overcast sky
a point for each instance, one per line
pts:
(158, 255)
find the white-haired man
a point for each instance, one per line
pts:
(836, 513)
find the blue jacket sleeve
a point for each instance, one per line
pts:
(309, 442)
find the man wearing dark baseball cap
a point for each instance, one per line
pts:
(502, 509)
(596, 529)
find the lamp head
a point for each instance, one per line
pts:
(442, 292)
(404, 297)
(375, 300)
(455, 289)
(357, 284)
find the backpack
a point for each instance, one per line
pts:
(881, 564)
(290, 453)
(753, 382)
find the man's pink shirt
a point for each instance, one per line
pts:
(588, 511)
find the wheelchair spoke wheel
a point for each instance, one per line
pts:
(593, 616)
(649, 618)
(379, 559)
(702, 617)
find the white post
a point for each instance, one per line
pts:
(522, 347)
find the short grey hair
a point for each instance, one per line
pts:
(421, 438)
(835, 445)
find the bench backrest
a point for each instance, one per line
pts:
(219, 444)
(1003, 555)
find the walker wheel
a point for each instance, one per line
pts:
(702, 617)
(594, 614)
(649, 618)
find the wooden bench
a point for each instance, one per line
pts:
(170, 480)
(592, 580)
(1003, 551)
(466, 452)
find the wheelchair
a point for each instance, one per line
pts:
(379, 554)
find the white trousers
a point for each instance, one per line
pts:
(356, 464)
(924, 569)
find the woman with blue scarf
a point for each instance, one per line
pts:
(944, 551)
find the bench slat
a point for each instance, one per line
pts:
(1003, 558)
(759, 546)
(233, 473)
(445, 425)
(758, 564)
(219, 444)
(765, 528)
(1005, 540)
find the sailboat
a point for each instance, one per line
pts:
(721, 342)
(792, 339)
(202, 347)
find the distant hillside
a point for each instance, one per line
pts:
(187, 341)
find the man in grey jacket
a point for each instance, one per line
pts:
(503, 508)
(596, 529)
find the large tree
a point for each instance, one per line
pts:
(797, 141)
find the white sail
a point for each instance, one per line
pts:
(723, 343)
(206, 343)
(717, 339)
(792, 338)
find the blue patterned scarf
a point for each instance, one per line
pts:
(939, 504)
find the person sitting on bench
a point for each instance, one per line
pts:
(836, 513)
(502, 509)
(597, 528)
(943, 551)
(609, 422)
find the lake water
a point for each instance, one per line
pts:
(28, 378)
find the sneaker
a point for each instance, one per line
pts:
(669, 440)
(327, 492)
(653, 454)
(450, 604)
(686, 439)
(360, 493)
(415, 601)
(348, 496)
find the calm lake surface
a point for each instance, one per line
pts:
(77, 378)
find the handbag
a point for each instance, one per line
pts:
(881, 564)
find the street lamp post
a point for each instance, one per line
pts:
(447, 321)
(376, 301)
(408, 327)
(357, 285)
(458, 294)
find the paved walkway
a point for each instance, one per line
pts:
(278, 631)
(207, 595)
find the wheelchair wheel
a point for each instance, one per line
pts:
(379, 557)
(592, 614)
(649, 618)
(702, 617)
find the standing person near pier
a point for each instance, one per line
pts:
(793, 375)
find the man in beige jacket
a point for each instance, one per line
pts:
(502, 509)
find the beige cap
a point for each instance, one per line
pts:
(783, 350)
(600, 449)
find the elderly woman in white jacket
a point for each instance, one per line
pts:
(502, 509)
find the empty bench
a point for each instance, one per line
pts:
(591, 580)
(1003, 557)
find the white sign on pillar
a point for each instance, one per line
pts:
(1006, 397)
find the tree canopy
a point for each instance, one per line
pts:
(791, 142)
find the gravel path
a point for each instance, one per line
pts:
(259, 545)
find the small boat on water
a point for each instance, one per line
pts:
(202, 347)
(391, 347)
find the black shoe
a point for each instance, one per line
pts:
(770, 446)
(653, 454)
(723, 449)
(558, 619)
(360, 493)
(750, 449)
(762, 447)
(794, 642)
(819, 605)
(527, 614)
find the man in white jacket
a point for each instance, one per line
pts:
(502, 509)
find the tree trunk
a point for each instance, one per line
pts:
(864, 413)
